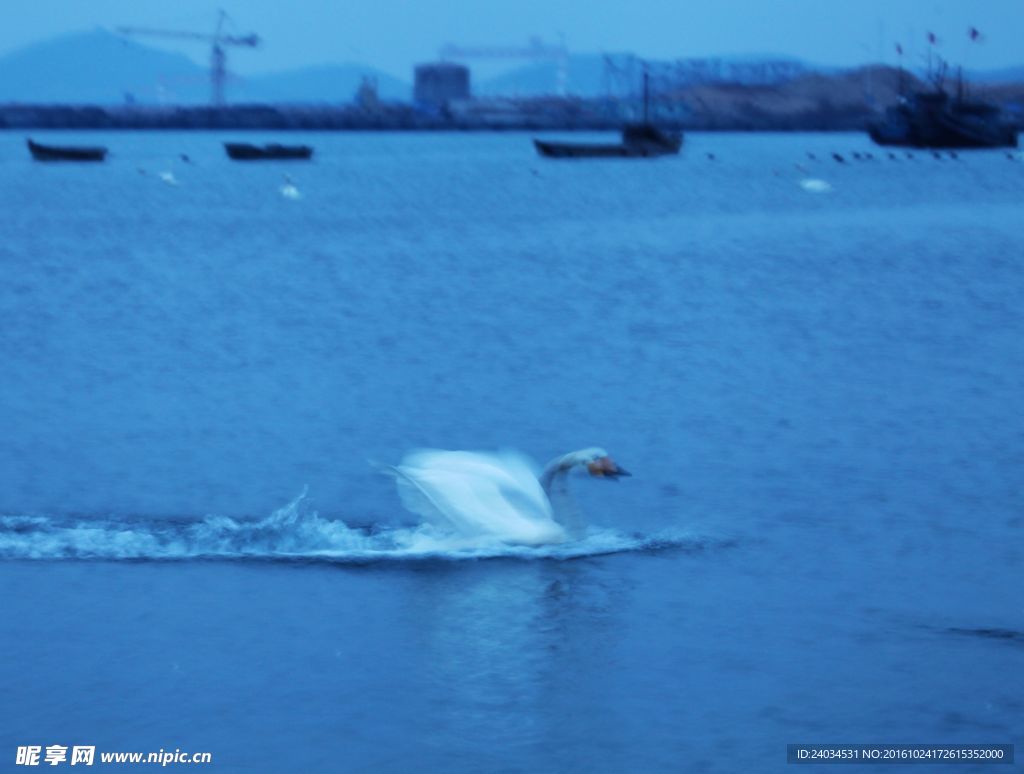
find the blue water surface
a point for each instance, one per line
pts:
(818, 394)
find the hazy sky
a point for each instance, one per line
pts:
(395, 34)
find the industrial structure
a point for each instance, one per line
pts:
(536, 50)
(218, 58)
(439, 83)
(623, 73)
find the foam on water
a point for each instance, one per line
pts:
(290, 533)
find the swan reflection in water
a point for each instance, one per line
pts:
(499, 495)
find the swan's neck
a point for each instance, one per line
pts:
(555, 481)
(557, 468)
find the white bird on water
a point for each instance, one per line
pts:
(815, 185)
(288, 190)
(169, 178)
(499, 496)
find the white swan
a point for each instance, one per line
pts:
(288, 189)
(815, 185)
(498, 496)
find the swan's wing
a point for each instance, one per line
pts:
(446, 497)
(509, 473)
(478, 494)
(522, 477)
(415, 498)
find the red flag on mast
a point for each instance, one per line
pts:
(932, 39)
(973, 34)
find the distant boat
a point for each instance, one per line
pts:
(936, 119)
(639, 140)
(240, 151)
(66, 153)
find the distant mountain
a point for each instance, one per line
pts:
(327, 83)
(99, 67)
(1003, 75)
(820, 101)
(596, 75)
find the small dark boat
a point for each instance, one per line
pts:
(65, 153)
(641, 140)
(240, 151)
(638, 140)
(936, 119)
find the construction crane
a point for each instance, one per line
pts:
(536, 49)
(218, 59)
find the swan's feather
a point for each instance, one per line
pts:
(479, 494)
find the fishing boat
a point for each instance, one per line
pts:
(937, 119)
(639, 140)
(240, 151)
(66, 153)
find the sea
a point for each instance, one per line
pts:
(813, 368)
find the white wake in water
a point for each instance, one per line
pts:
(295, 532)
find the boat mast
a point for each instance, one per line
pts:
(902, 81)
(647, 95)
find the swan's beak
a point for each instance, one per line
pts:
(606, 467)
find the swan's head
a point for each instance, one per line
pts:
(599, 465)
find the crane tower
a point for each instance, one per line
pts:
(218, 40)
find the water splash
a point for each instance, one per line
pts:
(294, 532)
